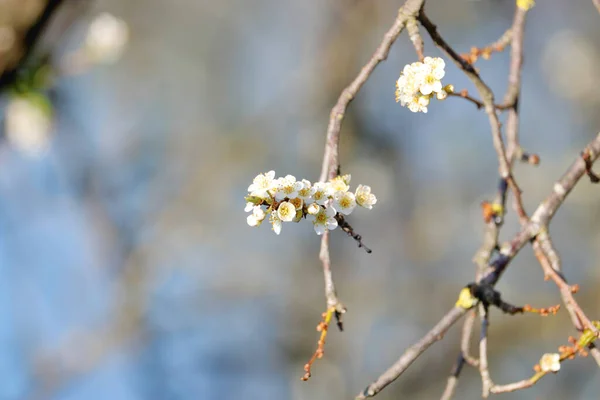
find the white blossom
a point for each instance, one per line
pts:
(106, 38)
(364, 197)
(340, 183)
(324, 220)
(437, 67)
(261, 185)
(286, 211)
(297, 202)
(249, 206)
(307, 191)
(323, 192)
(257, 216)
(313, 208)
(550, 362)
(287, 187)
(344, 202)
(275, 222)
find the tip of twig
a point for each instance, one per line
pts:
(350, 231)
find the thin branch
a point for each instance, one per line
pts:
(541, 217)
(486, 380)
(597, 4)
(413, 352)
(524, 384)
(453, 378)
(330, 293)
(552, 270)
(511, 99)
(486, 51)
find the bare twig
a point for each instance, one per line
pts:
(323, 327)
(486, 380)
(413, 352)
(486, 51)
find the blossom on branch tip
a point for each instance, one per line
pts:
(419, 82)
(364, 197)
(550, 362)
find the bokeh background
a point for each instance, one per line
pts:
(127, 269)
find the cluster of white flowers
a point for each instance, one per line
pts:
(419, 82)
(288, 200)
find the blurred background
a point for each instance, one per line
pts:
(128, 140)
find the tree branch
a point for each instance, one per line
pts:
(541, 217)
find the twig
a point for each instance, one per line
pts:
(413, 352)
(345, 226)
(541, 217)
(330, 293)
(486, 380)
(463, 356)
(465, 95)
(552, 270)
(453, 378)
(486, 51)
(566, 353)
(323, 328)
(415, 37)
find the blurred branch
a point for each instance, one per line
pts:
(597, 4)
(26, 43)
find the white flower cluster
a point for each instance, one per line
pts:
(288, 200)
(419, 82)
